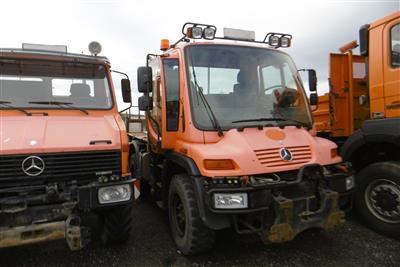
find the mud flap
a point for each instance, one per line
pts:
(293, 216)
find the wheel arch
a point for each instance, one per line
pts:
(376, 141)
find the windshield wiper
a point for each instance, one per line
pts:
(210, 113)
(6, 104)
(272, 119)
(60, 103)
(258, 119)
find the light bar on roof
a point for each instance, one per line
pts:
(237, 34)
(43, 47)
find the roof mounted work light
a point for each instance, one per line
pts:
(198, 31)
(277, 40)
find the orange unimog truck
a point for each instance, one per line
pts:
(63, 148)
(361, 113)
(230, 141)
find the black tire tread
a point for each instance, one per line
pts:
(117, 224)
(201, 237)
(389, 169)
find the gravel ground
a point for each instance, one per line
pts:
(151, 245)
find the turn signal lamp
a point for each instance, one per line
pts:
(219, 164)
(164, 44)
(333, 153)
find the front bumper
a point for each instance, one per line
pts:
(278, 211)
(41, 213)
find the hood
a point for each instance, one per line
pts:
(46, 134)
(264, 151)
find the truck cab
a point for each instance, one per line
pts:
(63, 148)
(230, 141)
(361, 113)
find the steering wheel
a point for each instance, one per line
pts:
(273, 87)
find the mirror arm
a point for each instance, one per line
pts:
(123, 73)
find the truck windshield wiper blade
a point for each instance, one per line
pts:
(59, 103)
(260, 119)
(210, 113)
(6, 104)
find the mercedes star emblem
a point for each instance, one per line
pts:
(33, 166)
(286, 154)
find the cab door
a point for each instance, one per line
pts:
(391, 68)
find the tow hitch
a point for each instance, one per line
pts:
(77, 236)
(295, 215)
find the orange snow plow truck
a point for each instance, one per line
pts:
(230, 140)
(361, 113)
(63, 148)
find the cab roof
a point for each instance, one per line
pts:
(18, 53)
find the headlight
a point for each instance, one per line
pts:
(350, 182)
(116, 193)
(230, 200)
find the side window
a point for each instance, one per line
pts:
(171, 81)
(395, 45)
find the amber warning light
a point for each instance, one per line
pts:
(164, 44)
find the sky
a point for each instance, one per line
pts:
(128, 30)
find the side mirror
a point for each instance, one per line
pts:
(313, 99)
(126, 90)
(145, 103)
(145, 79)
(312, 80)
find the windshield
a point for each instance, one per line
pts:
(46, 84)
(244, 86)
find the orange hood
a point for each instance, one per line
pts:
(44, 134)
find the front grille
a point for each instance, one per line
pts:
(271, 157)
(78, 166)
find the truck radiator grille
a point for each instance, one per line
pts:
(271, 157)
(82, 167)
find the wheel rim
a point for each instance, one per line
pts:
(178, 215)
(383, 200)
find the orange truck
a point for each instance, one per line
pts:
(230, 140)
(63, 148)
(361, 113)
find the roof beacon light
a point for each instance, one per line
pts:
(43, 47)
(236, 34)
(94, 48)
(164, 45)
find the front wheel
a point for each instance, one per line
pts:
(116, 224)
(378, 197)
(188, 230)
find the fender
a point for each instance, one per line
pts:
(372, 131)
(185, 162)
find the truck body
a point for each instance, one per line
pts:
(63, 149)
(361, 113)
(230, 143)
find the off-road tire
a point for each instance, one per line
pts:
(116, 224)
(390, 172)
(196, 237)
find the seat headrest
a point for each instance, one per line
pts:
(80, 90)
